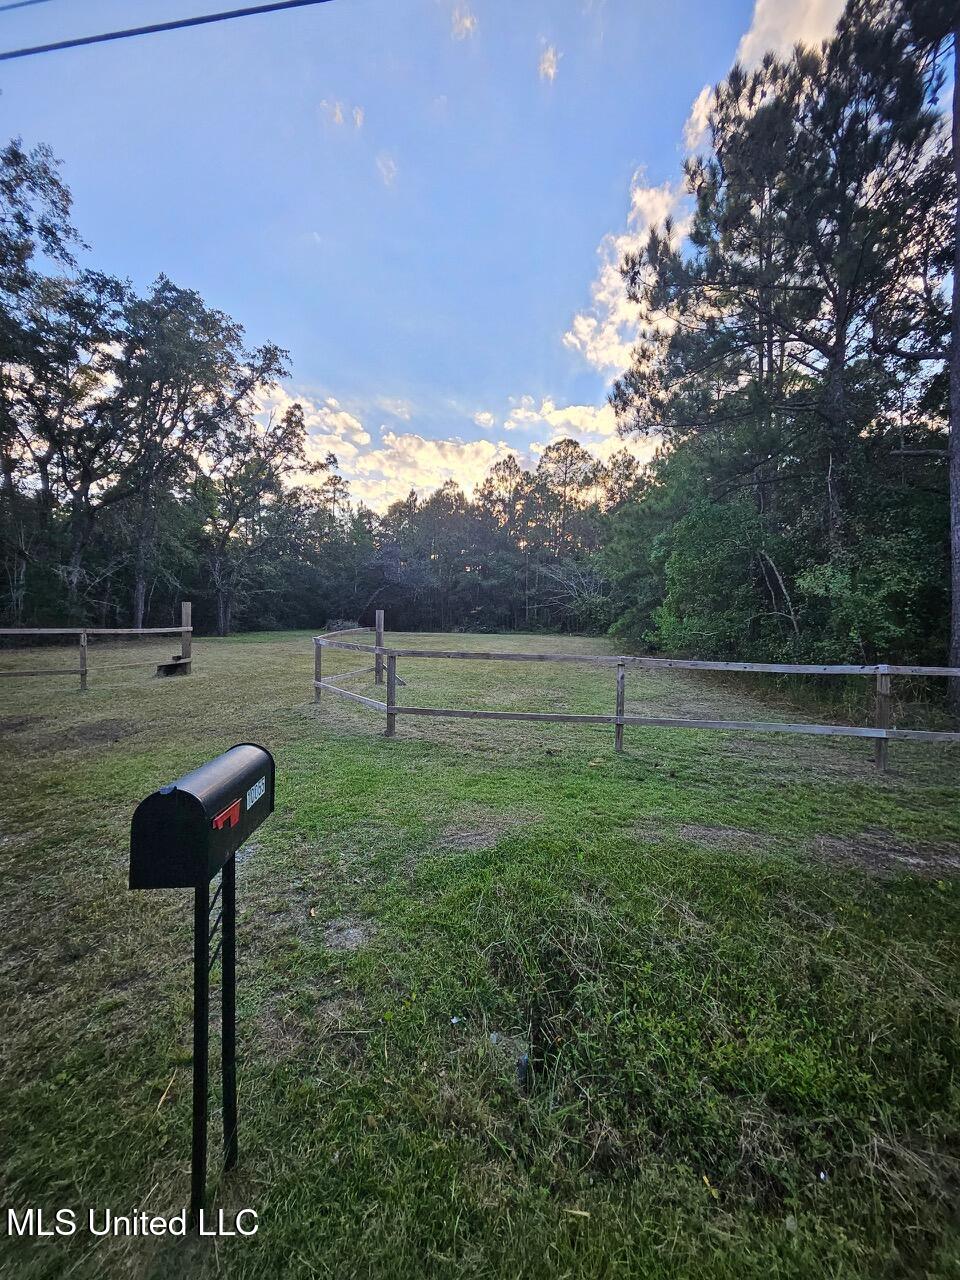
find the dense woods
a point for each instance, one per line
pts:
(798, 361)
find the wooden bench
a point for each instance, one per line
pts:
(177, 666)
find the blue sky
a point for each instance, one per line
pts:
(423, 200)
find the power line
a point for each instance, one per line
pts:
(154, 27)
(20, 4)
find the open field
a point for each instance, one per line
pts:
(734, 963)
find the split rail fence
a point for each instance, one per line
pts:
(882, 733)
(179, 664)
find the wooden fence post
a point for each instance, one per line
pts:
(317, 669)
(621, 703)
(83, 661)
(880, 745)
(391, 695)
(378, 660)
(186, 636)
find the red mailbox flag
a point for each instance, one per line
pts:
(228, 818)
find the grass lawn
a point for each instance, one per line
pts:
(733, 963)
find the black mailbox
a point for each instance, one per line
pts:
(184, 833)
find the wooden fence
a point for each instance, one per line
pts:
(179, 664)
(882, 733)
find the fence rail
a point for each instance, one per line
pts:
(180, 664)
(881, 733)
(92, 631)
(633, 660)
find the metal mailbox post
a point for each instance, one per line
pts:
(182, 836)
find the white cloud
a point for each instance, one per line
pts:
(395, 406)
(778, 25)
(329, 431)
(595, 427)
(576, 420)
(549, 63)
(607, 331)
(409, 461)
(463, 23)
(579, 419)
(523, 413)
(388, 168)
(333, 111)
(330, 427)
(483, 418)
(697, 127)
(406, 460)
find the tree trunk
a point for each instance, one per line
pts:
(145, 538)
(223, 611)
(141, 564)
(954, 447)
(835, 411)
(81, 524)
(17, 574)
(73, 574)
(42, 462)
(139, 596)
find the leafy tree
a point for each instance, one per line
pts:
(179, 372)
(781, 362)
(65, 429)
(565, 472)
(243, 502)
(933, 29)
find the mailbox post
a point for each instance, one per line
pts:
(183, 836)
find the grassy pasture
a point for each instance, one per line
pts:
(733, 963)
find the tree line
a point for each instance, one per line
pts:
(136, 469)
(799, 364)
(802, 361)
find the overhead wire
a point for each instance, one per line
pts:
(153, 27)
(20, 4)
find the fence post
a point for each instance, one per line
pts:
(621, 702)
(378, 660)
(186, 636)
(201, 1047)
(317, 669)
(391, 695)
(228, 1008)
(880, 745)
(83, 661)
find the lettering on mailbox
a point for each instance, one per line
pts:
(256, 791)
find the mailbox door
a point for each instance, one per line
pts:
(169, 841)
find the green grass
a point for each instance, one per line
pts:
(733, 963)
